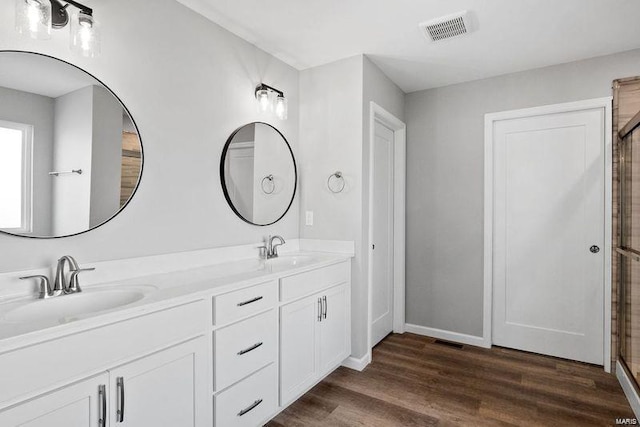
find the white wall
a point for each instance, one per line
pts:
(334, 120)
(188, 84)
(35, 110)
(73, 129)
(445, 151)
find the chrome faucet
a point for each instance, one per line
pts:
(60, 285)
(271, 249)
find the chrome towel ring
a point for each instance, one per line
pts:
(335, 182)
(271, 184)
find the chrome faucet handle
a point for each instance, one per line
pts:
(74, 283)
(45, 287)
(263, 251)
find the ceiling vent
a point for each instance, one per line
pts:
(447, 27)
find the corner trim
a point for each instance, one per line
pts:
(628, 388)
(357, 364)
(447, 335)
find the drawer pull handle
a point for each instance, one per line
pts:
(250, 407)
(247, 350)
(319, 309)
(240, 304)
(324, 300)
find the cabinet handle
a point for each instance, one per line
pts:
(120, 410)
(247, 350)
(102, 397)
(240, 304)
(250, 407)
(324, 300)
(319, 309)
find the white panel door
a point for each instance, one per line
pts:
(79, 405)
(334, 328)
(548, 212)
(382, 218)
(168, 388)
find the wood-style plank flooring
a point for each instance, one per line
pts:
(414, 381)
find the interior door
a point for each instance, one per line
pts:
(548, 260)
(168, 388)
(83, 404)
(382, 218)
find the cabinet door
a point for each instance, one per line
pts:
(79, 405)
(298, 347)
(168, 388)
(335, 329)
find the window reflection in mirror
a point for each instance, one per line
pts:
(70, 154)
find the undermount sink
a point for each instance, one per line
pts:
(67, 308)
(284, 262)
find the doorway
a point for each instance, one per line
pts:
(386, 225)
(547, 230)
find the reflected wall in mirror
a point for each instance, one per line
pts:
(258, 173)
(70, 153)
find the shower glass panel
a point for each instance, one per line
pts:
(629, 253)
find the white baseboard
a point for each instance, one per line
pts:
(446, 335)
(629, 389)
(357, 364)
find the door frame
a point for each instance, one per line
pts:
(379, 114)
(605, 104)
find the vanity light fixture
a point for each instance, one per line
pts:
(263, 98)
(35, 18)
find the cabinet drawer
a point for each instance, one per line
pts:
(230, 307)
(250, 402)
(300, 285)
(244, 347)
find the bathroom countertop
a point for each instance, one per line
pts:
(171, 289)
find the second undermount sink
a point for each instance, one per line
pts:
(67, 308)
(284, 262)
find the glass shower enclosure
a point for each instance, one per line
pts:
(629, 248)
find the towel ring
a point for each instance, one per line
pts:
(273, 184)
(337, 176)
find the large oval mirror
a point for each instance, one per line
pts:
(70, 153)
(258, 173)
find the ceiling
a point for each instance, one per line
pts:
(41, 75)
(509, 36)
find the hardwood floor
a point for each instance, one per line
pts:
(414, 381)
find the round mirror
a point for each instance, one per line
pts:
(258, 173)
(70, 153)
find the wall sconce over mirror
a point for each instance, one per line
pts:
(36, 18)
(270, 98)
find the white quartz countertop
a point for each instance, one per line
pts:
(161, 291)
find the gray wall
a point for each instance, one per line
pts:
(188, 84)
(35, 110)
(334, 135)
(445, 150)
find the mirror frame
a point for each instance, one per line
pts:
(223, 181)
(135, 190)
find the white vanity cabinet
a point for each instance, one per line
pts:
(315, 330)
(83, 404)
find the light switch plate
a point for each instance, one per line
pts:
(309, 218)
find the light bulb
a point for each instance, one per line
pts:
(264, 103)
(33, 18)
(85, 35)
(281, 108)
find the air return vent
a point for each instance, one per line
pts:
(447, 27)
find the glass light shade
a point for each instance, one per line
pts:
(33, 18)
(281, 107)
(85, 35)
(262, 97)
